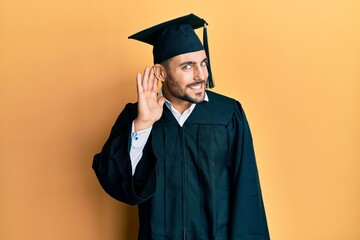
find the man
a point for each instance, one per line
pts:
(189, 165)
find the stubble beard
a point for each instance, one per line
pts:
(176, 90)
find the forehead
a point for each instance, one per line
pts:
(198, 56)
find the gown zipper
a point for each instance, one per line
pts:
(183, 176)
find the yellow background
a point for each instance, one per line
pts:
(67, 69)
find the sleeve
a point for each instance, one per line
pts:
(138, 142)
(113, 168)
(248, 219)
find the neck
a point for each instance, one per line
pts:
(179, 104)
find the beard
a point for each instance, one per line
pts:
(179, 91)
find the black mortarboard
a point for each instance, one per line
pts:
(176, 37)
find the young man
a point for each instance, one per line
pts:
(189, 165)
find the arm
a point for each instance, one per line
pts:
(138, 142)
(113, 165)
(248, 219)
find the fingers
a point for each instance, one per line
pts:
(155, 82)
(148, 82)
(151, 79)
(138, 83)
(145, 80)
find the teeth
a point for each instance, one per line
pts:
(196, 87)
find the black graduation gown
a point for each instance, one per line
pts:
(198, 182)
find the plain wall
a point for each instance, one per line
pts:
(67, 69)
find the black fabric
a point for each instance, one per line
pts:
(175, 37)
(172, 38)
(198, 182)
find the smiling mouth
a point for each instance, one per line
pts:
(196, 86)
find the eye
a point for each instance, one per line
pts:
(186, 67)
(203, 64)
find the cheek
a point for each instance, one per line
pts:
(206, 71)
(185, 77)
(180, 79)
(172, 82)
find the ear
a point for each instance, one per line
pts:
(160, 72)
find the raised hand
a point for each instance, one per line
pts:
(150, 106)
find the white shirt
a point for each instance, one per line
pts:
(139, 139)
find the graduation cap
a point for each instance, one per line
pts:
(176, 37)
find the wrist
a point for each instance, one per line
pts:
(141, 125)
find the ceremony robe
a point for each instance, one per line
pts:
(195, 182)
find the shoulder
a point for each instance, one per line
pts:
(225, 103)
(131, 108)
(219, 109)
(127, 115)
(217, 99)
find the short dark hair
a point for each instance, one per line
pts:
(166, 64)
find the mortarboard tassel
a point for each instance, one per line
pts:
(211, 83)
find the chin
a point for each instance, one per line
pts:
(199, 97)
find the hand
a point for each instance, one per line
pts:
(150, 106)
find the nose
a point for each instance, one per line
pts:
(200, 73)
